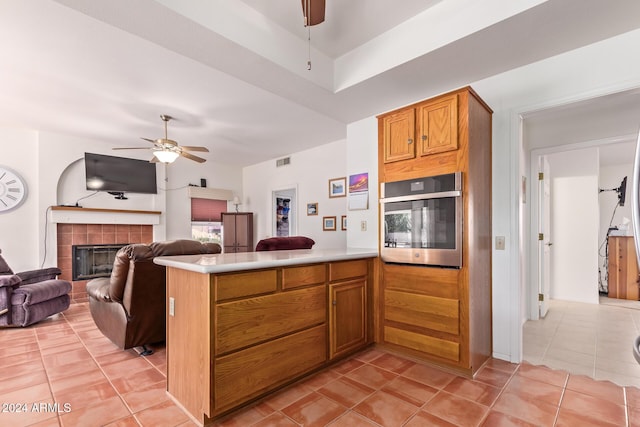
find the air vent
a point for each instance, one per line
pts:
(283, 162)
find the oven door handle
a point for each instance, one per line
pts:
(441, 195)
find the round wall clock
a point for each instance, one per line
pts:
(13, 189)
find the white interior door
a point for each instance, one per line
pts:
(544, 235)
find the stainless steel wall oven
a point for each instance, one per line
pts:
(422, 221)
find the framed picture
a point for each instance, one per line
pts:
(312, 208)
(338, 187)
(344, 222)
(328, 223)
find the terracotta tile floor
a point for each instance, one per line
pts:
(65, 361)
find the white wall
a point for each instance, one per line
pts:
(574, 225)
(362, 156)
(309, 172)
(19, 228)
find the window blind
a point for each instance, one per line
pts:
(207, 209)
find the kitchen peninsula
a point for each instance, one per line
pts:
(240, 325)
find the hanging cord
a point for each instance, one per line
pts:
(307, 23)
(605, 264)
(46, 224)
(85, 197)
(309, 53)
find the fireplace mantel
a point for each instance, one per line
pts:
(77, 215)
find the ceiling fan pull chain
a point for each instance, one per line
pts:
(309, 54)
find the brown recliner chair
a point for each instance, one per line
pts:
(31, 296)
(129, 307)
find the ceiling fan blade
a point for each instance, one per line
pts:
(153, 141)
(313, 11)
(192, 157)
(191, 148)
(131, 148)
(154, 159)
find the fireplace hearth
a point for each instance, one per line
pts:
(91, 261)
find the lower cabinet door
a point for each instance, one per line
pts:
(347, 321)
(249, 373)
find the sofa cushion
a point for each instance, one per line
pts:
(285, 243)
(26, 315)
(183, 247)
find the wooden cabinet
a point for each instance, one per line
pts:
(623, 268)
(438, 314)
(348, 307)
(234, 337)
(427, 128)
(399, 136)
(437, 124)
(237, 232)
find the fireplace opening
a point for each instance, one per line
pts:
(91, 261)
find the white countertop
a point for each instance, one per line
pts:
(222, 263)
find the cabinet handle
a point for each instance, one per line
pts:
(409, 141)
(424, 137)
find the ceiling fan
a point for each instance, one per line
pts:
(313, 12)
(166, 150)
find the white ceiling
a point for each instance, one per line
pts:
(234, 75)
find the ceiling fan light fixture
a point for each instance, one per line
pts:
(165, 156)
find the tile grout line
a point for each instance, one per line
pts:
(564, 389)
(103, 373)
(46, 372)
(502, 390)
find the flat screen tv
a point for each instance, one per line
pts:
(622, 191)
(119, 174)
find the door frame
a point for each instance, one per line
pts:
(291, 191)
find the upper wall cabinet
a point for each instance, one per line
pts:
(399, 136)
(427, 128)
(438, 125)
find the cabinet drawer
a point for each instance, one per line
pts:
(238, 285)
(246, 322)
(438, 314)
(246, 374)
(294, 277)
(426, 344)
(438, 282)
(347, 269)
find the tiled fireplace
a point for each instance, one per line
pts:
(94, 234)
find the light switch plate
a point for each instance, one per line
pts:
(172, 306)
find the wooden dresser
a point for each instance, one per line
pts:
(623, 268)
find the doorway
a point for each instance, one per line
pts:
(284, 212)
(602, 125)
